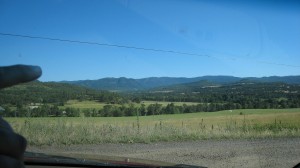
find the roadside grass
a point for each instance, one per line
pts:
(246, 123)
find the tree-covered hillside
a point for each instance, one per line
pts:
(244, 94)
(51, 92)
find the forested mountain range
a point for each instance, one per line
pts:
(129, 84)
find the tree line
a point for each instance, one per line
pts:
(40, 111)
(111, 110)
(171, 108)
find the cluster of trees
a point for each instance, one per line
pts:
(40, 111)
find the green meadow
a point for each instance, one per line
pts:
(84, 104)
(99, 105)
(229, 124)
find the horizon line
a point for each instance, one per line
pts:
(166, 77)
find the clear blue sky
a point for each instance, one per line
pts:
(243, 39)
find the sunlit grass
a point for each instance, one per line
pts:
(254, 123)
(84, 104)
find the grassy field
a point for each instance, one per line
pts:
(246, 123)
(166, 103)
(99, 105)
(84, 104)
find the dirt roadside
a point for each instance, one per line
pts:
(282, 152)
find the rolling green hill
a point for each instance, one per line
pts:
(51, 92)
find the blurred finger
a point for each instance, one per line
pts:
(9, 162)
(12, 145)
(5, 125)
(12, 75)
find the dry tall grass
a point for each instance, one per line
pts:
(196, 126)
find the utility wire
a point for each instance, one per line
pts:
(133, 47)
(101, 44)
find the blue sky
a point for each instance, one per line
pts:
(230, 38)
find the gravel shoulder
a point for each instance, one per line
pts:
(279, 152)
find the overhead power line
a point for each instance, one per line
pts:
(101, 44)
(133, 47)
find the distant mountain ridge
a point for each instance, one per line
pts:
(130, 84)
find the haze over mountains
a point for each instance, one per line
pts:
(129, 84)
